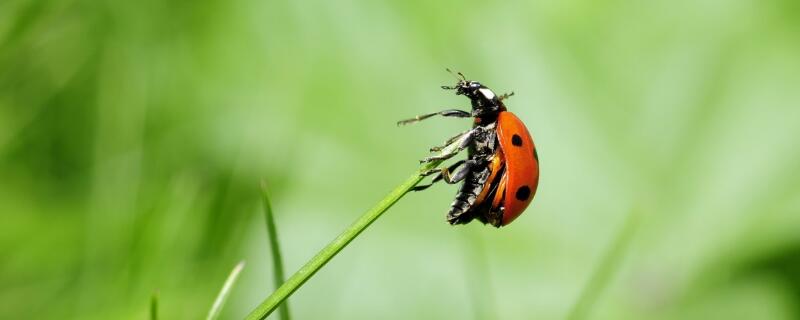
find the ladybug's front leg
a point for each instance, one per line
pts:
(445, 113)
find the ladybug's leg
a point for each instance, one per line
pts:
(445, 113)
(438, 177)
(506, 96)
(466, 140)
(449, 142)
(460, 174)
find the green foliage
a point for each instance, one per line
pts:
(132, 135)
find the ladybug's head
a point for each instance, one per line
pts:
(484, 101)
(466, 87)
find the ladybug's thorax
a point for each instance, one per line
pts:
(485, 103)
(487, 118)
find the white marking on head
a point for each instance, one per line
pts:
(487, 93)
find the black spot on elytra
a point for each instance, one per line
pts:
(523, 193)
(516, 140)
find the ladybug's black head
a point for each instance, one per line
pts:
(484, 101)
(469, 88)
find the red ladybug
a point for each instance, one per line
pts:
(501, 172)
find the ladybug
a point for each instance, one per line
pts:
(501, 172)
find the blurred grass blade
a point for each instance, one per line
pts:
(606, 269)
(328, 252)
(154, 306)
(277, 260)
(225, 292)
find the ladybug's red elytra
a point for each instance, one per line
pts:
(501, 172)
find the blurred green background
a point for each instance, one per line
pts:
(134, 135)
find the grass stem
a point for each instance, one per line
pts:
(328, 252)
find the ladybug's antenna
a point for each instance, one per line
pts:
(460, 75)
(460, 78)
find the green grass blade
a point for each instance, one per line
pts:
(216, 308)
(154, 306)
(328, 252)
(606, 269)
(277, 260)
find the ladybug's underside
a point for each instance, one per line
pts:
(470, 201)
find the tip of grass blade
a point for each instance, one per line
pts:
(219, 302)
(275, 249)
(154, 306)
